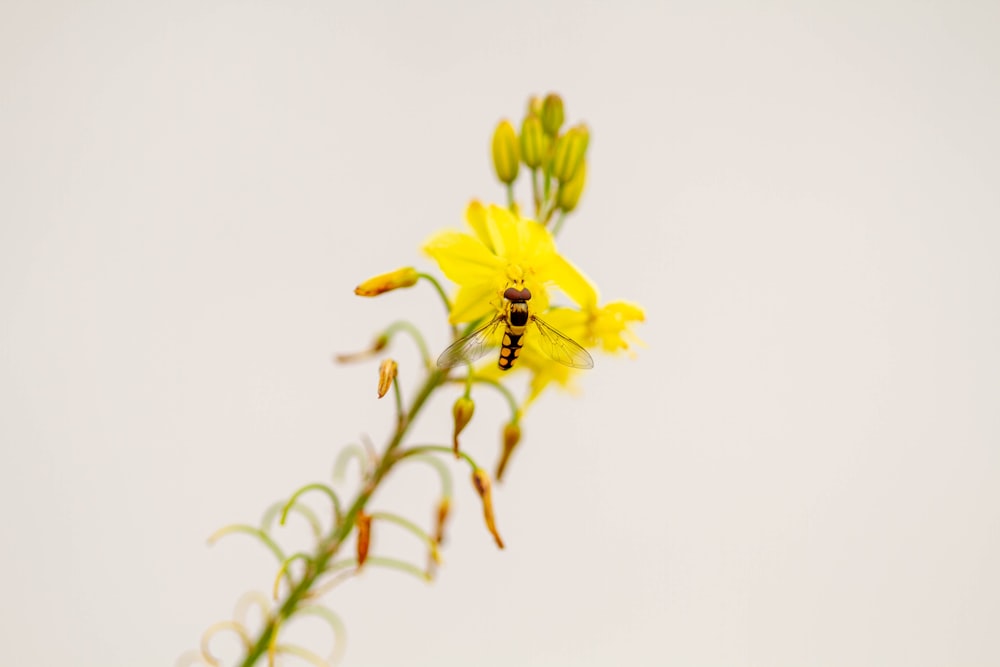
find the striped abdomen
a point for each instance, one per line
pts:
(510, 348)
(517, 320)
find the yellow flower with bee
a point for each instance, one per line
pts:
(504, 270)
(505, 267)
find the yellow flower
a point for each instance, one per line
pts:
(504, 250)
(608, 328)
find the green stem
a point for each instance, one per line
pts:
(398, 393)
(515, 410)
(559, 223)
(535, 194)
(440, 290)
(441, 449)
(327, 549)
(414, 332)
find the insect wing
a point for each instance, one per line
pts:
(561, 348)
(473, 346)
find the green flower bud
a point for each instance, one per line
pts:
(552, 114)
(569, 192)
(534, 143)
(506, 158)
(569, 152)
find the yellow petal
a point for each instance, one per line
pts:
(572, 282)
(462, 258)
(504, 231)
(473, 302)
(478, 219)
(612, 325)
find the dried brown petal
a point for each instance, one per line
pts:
(364, 524)
(386, 374)
(481, 481)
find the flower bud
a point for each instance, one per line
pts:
(511, 436)
(482, 483)
(535, 104)
(552, 114)
(462, 411)
(405, 277)
(386, 374)
(569, 152)
(534, 143)
(506, 158)
(364, 524)
(569, 192)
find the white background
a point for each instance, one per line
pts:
(802, 468)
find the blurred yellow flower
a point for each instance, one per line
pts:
(608, 328)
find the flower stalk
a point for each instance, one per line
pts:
(507, 272)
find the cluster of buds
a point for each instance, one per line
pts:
(555, 155)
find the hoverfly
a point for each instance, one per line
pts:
(514, 318)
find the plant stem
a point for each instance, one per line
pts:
(327, 548)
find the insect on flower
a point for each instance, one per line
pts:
(515, 318)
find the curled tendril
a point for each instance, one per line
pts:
(317, 486)
(284, 570)
(417, 450)
(336, 625)
(345, 456)
(412, 528)
(238, 626)
(190, 658)
(246, 602)
(304, 653)
(382, 561)
(253, 532)
(447, 483)
(214, 630)
(414, 332)
(283, 508)
(320, 590)
(345, 569)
